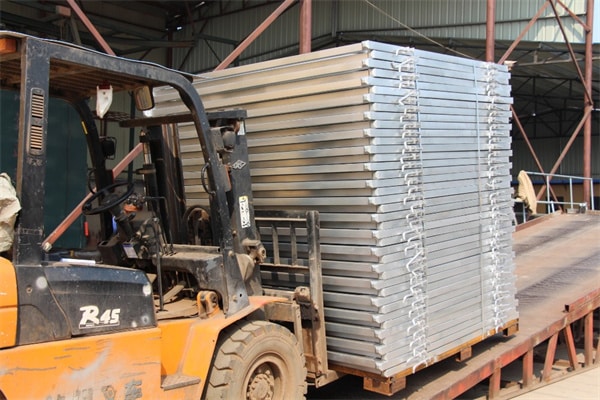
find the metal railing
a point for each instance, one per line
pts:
(571, 203)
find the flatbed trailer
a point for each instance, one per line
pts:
(558, 281)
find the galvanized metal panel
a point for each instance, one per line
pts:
(415, 197)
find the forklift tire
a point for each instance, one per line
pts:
(257, 360)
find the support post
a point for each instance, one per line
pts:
(570, 343)
(586, 80)
(528, 368)
(587, 93)
(305, 30)
(597, 357)
(494, 386)
(588, 339)
(588, 104)
(549, 361)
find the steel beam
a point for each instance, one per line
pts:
(549, 360)
(76, 212)
(588, 103)
(570, 343)
(256, 33)
(586, 117)
(529, 146)
(528, 369)
(522, 34)
(587, 89)
(573, 15)
(494, 384)
(588, 339)
(586, 80)
(88, 24)
(305, 26)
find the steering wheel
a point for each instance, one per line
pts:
(110, 201)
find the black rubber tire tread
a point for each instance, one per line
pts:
(241, 345)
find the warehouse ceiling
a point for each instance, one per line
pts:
(127, 26)
(545, 80)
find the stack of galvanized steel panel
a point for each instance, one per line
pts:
(405, 154)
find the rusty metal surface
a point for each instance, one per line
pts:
(557, 263)
(557, 259)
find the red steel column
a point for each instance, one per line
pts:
(490, 33)
(256, 33)
(88, 24)
(588, 103)
(305, 26)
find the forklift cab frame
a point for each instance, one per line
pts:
(40, 69)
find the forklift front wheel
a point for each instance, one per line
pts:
(257, 360)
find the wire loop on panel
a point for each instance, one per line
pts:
(413, 236)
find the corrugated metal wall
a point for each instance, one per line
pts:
(548, 150)
(433, 18)
(278, 41)
(459, 18)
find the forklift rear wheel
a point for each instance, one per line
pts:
(257, 360)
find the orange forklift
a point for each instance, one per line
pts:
(169, 303)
